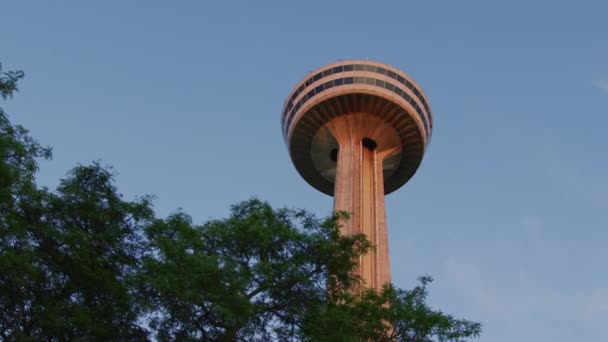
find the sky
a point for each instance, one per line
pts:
(508, 209)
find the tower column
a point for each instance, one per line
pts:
(359, 190)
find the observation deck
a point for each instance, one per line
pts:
(391, 108)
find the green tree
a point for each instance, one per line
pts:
(8, 82)
(391, 314)
(267, 274)
(19, 200)
(66, 257)
(82, 263)
(254, 275)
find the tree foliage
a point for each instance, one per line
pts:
(257, 274)
(82, 263)
(391, 314)
(66, 256)
(8, 82)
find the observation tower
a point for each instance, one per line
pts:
(357, 130)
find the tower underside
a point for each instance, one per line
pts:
(309, 144)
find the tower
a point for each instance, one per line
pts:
(357, 130)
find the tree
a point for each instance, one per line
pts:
(391, 314)
(66, 257)
(256, 274)
(90, 247)
(8, 82)
(82, 263)
(18, 200)
(267, 274)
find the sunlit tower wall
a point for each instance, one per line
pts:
(357, 130)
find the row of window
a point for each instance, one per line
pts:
(356, 80)
(356, 67)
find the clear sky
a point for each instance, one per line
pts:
(508, 209)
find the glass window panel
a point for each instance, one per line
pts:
(399, 91)
(381, 70)
(416, 92)
(391, 74)
(316, 77)
(370, 68)
(406, 97)
(336, 69)
(408, 84)
(359, 67)
(348, 80)
(370, 81)
(326, 72)
(389, 86)
(318, 89)
(400, 79)
(349, 67)
(380, 83)
(339, 81)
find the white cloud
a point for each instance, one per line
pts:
(601, 85)
(586, 184)
(522, 299)
(532, 225)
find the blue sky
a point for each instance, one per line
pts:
(508, 209)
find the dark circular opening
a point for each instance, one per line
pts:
(369, 144)
(334, 155)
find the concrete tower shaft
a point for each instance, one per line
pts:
(359, 187)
